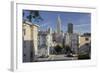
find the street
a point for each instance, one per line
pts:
(57, 58)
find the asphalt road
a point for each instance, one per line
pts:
(57, 57)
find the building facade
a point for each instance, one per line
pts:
(70, 28)
(74, 43)
(58, 28)
(30, 38)
(45, 42)
(67, 39)
(84, 44)
(71, 40)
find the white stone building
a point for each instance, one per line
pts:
(45, 42)
(85, 44)
(75, 43)
(67, 39)
(30, 41)
(71, 40)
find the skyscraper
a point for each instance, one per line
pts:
(70, 28)
(58, 25)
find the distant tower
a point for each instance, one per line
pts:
(70, 28)
(49, 30)
(58, 25)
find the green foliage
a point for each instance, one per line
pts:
(58, 49)
(34, 15)
(83, 56)
(68, 49)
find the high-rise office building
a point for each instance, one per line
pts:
(70, 28)
(58, 25)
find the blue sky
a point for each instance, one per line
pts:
(81, 21)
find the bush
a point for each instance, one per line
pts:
(84, 56)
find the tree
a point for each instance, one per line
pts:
(68, 49)
(33, 15)
(58, 49)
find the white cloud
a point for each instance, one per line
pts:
(82, 28)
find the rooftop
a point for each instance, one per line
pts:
(29, 23)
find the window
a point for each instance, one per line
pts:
(24, 44)
(86, 39)
(24, 31)
(87, 44)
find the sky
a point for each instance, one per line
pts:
(81, 21)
